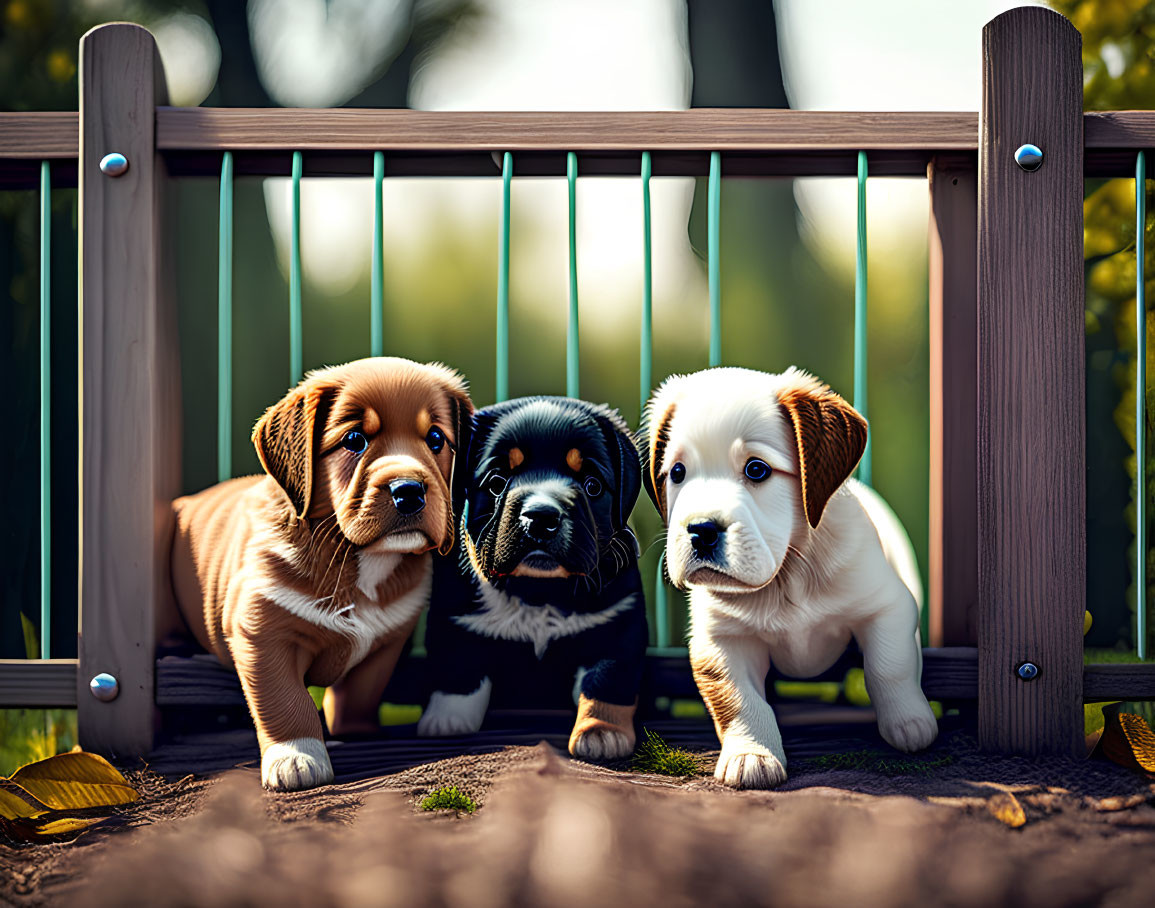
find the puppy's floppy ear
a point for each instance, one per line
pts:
(652, 442)
(461, 412)
(288, 438)
(620, 448)
(831, 437)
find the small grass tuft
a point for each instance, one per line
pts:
(656, 756)
(879, 762)
(451, 798)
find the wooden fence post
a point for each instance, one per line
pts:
(129, 401)
(1031, 461)
(953, 261)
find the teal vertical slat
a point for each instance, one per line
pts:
(1140, 408)
(45, 411)
(377, 279)
(571, 338)
(296, 357)
(713, 230)
(225, 324)
(646, 359)
(860, 393)
(503, 281)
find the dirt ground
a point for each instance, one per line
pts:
(553, 831)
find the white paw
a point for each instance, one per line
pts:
(455, 714)
(296, 765)
(750, 770)
(909, 730)
(601, 744)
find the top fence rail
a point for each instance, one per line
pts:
(756, 142)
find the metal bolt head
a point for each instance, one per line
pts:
(1028, 671)
(113, 165)
(1029, 157)
(104, 687)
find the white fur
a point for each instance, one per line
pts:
(455, 714)
(373, 569)
(295, 765)
(364, 621)
(508, 618)
(855, 575)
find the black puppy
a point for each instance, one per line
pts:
(546, 601)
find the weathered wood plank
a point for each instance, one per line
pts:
(37, 683)
(1031, 462)
(39, 135)
(129, 402)
(953, 272)
(1119, 682)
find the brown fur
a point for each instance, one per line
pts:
(597, 715)
(300, 530)
(831, 438)
(718, 692)
(655, 477)
(573, 459)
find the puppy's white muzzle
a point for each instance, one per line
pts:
(714, 540)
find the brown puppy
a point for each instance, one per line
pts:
(318, 570)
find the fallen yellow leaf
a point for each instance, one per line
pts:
(14, 807)
(67, 825)
(1129, 741)
(1005, 808)
(74, 780)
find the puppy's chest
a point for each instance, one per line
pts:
(502, 616)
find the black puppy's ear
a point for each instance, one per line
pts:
(620, 446)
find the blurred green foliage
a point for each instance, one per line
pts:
(1118, 74)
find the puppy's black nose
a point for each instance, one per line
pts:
(703, 537)
(541, 521)
(408, 496)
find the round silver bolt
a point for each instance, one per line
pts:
(104, 687)
(1028, 671)
(1029, 157)
(113, 165)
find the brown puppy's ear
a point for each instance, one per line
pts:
(461, 408)
(831, 438)
(652, 449)
(287, 439)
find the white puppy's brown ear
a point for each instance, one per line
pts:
(287, 438)
(652, 448)
(831, 437)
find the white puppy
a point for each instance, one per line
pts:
(784, 558)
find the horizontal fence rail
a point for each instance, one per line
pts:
(758, 142)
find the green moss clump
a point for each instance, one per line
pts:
(656, 756)
(876, 761)
(451, 798)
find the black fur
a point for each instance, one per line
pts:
(593, 543)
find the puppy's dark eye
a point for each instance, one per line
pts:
(435, 438)
(355, 441)
(677, 473)
(496, 484)
(757, 470)
(593, 486)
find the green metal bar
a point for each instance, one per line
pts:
(646, 368)
(715, 264)
(225, 324)
(864, 466)
(503, 282)
(296, 357)
(571, 338)
(1140, 408)
(661, 606)
(45, 411)
(377, 280)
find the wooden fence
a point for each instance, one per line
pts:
(1008, 509)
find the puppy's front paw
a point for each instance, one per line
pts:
(296, 765)
(750, 770)
(909, 730)
(455, 714)
(601, 742)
